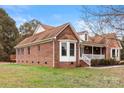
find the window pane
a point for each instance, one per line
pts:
(86, 37)
(38, 47)
(64, 49)
(28, 50)
(71, 49)
(117, 52)
(113, 53)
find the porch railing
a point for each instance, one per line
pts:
(86, 59)
(95, 56)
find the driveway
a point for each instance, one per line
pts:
(104, 67)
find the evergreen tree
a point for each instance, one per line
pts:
(8, 34)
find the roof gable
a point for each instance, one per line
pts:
(72, 29)
(42, 27)
(67, 33)
(82, 32)
(39, 29)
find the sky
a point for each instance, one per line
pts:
(51, 15)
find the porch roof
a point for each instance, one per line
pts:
(92, 44)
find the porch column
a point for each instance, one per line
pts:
(83, 50)
(100, 50)
(92, 52)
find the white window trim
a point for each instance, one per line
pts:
(67, 58)
(117, 56)
(66, 40)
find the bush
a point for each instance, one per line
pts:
(94, 62)
(4, 58)
(112, 61)
(121, 63)
(103, 62)
(106, 62)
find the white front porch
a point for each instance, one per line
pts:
(87, 53)
(93, 52)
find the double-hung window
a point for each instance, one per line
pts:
(72, 49)
(113, 53)
(64, 49)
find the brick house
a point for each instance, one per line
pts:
(62, 46)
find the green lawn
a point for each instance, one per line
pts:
(13, 75)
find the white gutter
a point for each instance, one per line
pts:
(34, 43)
(53, 53)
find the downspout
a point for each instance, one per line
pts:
(54, 51)
(78, 43)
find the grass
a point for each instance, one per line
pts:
(14, 75)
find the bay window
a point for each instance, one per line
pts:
(67, 51)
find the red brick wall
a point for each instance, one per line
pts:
(45, 55)
(65, 64)
(107, 54)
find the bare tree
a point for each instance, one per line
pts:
(102, 19)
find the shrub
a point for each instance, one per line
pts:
(103, 62)
(106, 62)
(121, 63)
(94, 62)
(4, 58)
(112, 61)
